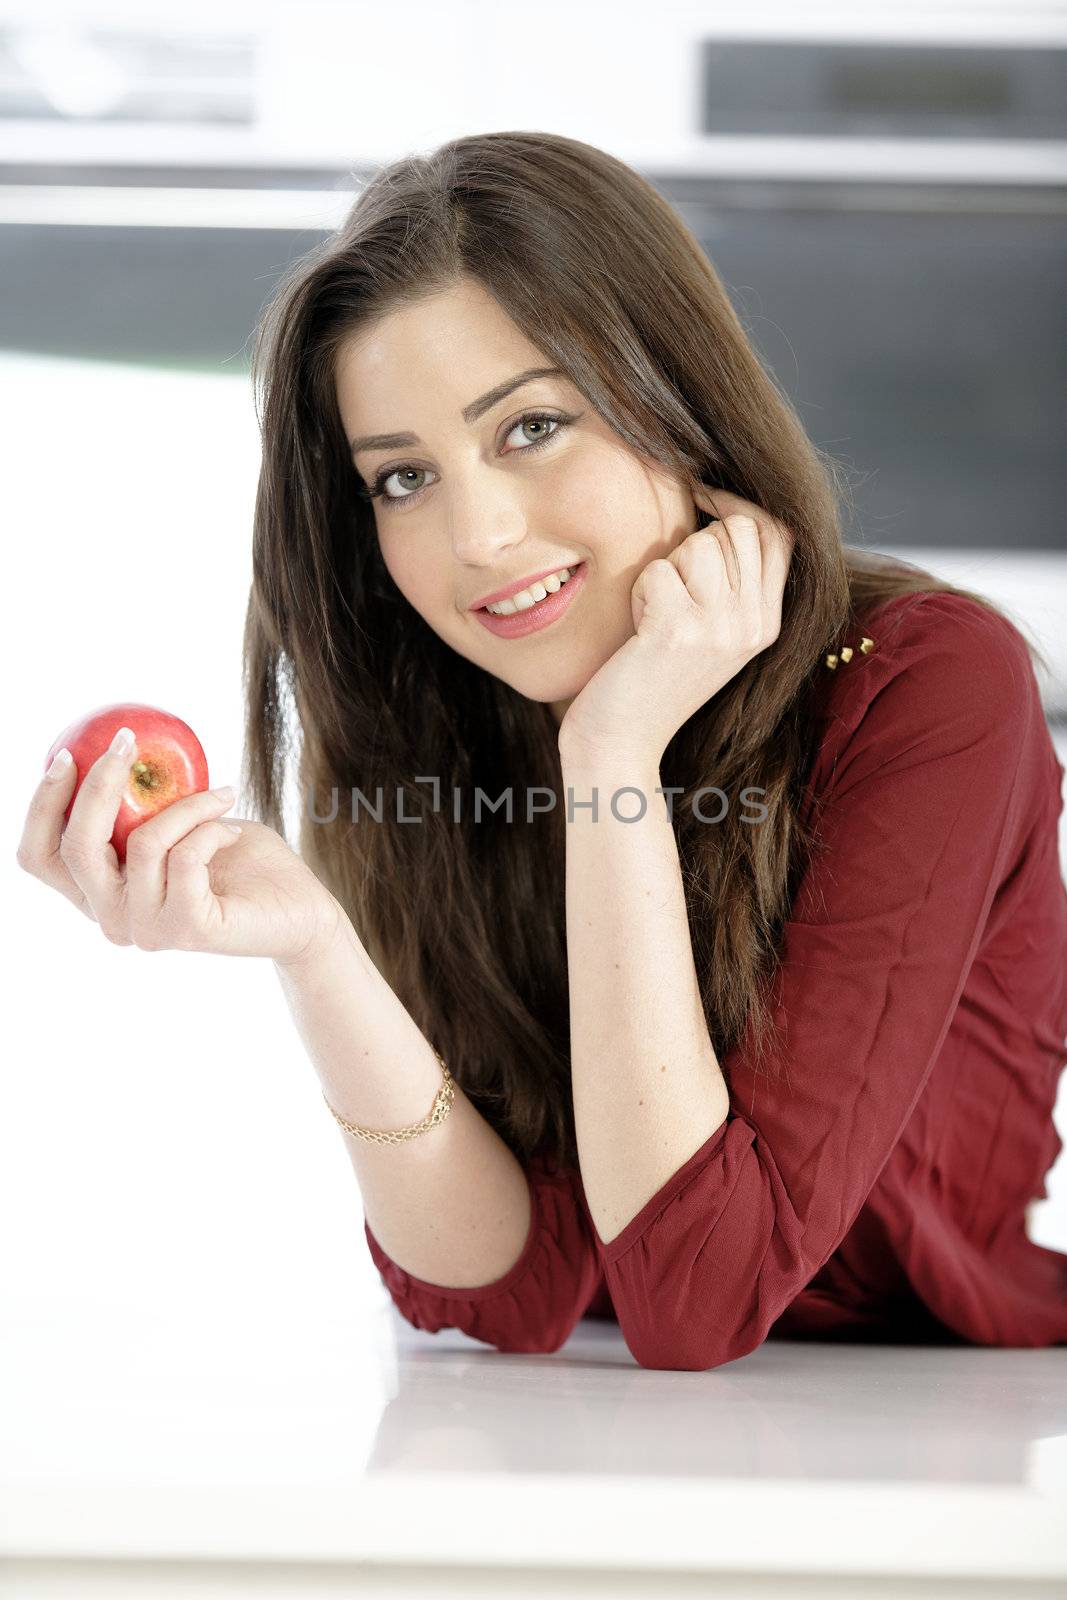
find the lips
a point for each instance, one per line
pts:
(517, 588)
(541, 615)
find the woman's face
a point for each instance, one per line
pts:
(470, 506)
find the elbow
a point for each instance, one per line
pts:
(500, 1333)
(539, 1341)
(536, 1341)
(686, 1357)
(523, 1344)
(691, 1347)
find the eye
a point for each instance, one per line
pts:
(377, 489)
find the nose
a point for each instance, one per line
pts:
(485, 529)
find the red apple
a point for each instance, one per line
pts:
(169, 761)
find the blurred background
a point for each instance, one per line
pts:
(883, 189)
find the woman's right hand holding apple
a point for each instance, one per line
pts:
(189, 882)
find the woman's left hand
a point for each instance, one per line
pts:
(699, 615)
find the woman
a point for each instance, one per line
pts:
(768, 1045)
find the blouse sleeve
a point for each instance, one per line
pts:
(535, 1306)
(920, 816)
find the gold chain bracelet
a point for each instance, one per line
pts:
(438, 1112)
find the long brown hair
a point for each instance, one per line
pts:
(467, 921)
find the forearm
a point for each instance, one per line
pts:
(451, 1205)
(646, 1081)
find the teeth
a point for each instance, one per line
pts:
(529, 597)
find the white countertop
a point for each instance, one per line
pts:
(287, 1430)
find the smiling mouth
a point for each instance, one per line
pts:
(522, 610)
(542, 614)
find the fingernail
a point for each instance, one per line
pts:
(60, 762)
(225, 793)
(122, 743)
(234, 827)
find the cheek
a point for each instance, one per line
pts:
(415, 577)
(603, 505)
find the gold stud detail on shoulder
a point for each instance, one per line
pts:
(847, 652)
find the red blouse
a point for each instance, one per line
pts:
(877, 1190)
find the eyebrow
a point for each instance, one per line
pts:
(471, 413)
